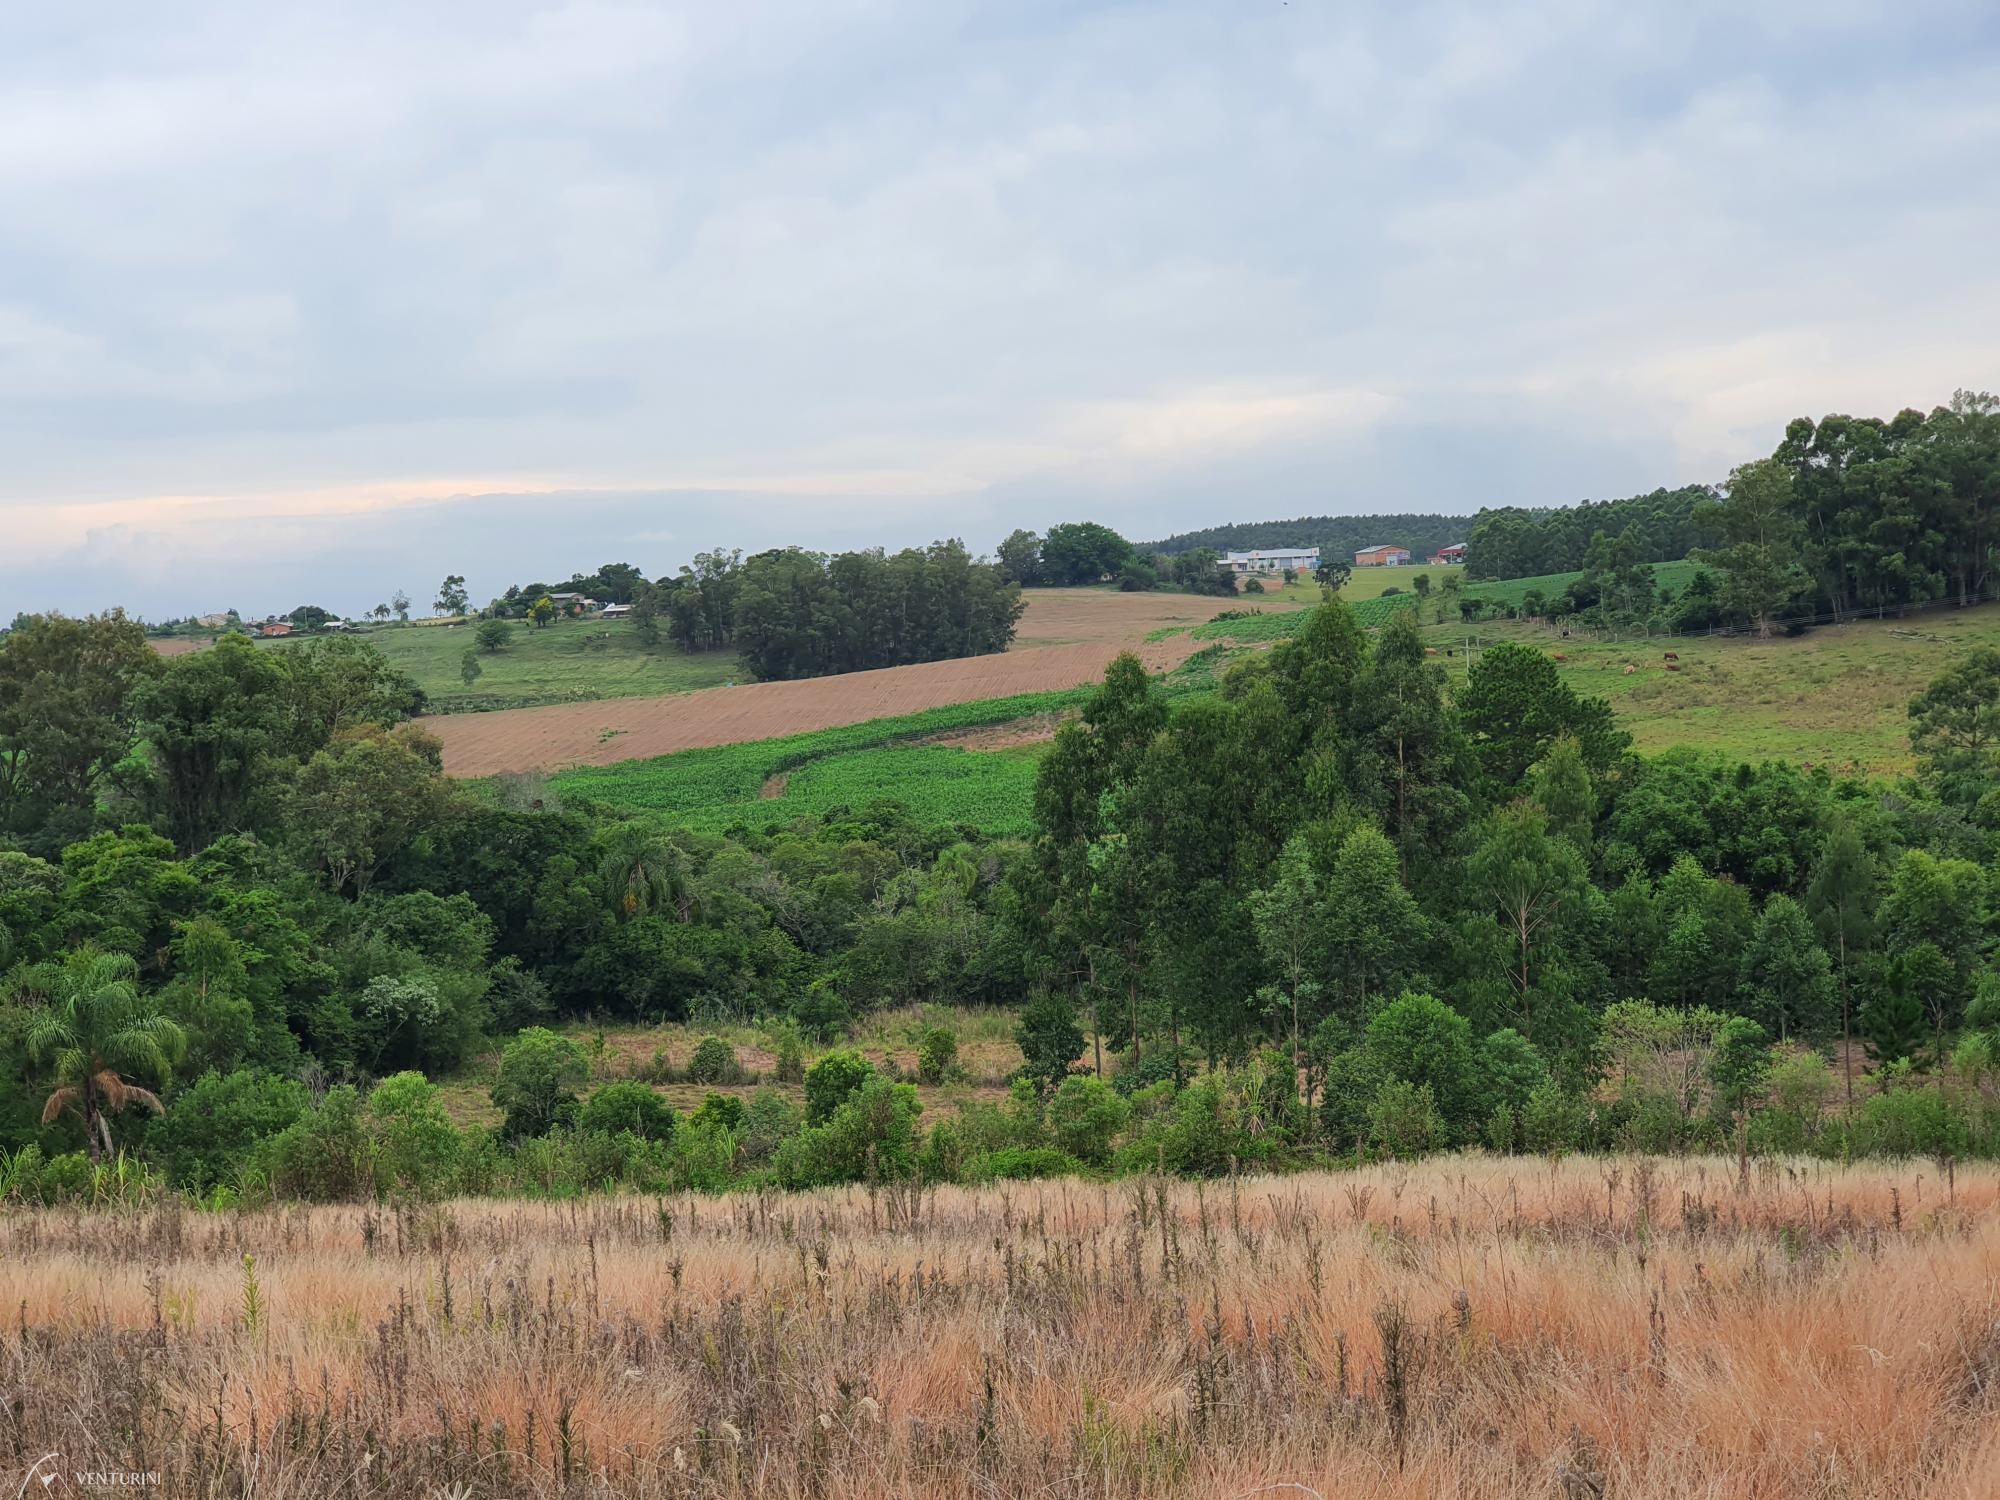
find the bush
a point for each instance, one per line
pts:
(325, 1157)
(1253, 585)
(1203, 1134)
(1911, 1121)
(1552, 1121)
(1084, 1115)
(831, 1080)
(871, 1134)
(1049, 1039)
(628, 1105)
(791, 1058)
(1404, 1120)
(493, 635)
(212, 1129)
(937, 1056)
(540, 1073)
(714, 1061)
(721, 1110)
(417, 1149)
(1023, 1163)
(1418, 1039)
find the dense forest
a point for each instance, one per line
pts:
(1335, 536)
(792, 613)
(1334, 907)
(1515, 543)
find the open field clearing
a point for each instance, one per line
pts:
(599, 734)
(1062, 617)
(1468, 1326)
(1837, 696)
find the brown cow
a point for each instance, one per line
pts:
(1630, 669)
(1673, 656)
(1560, 657)
(1673, 666)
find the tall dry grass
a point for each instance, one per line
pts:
(1468, 1327)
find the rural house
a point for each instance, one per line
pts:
(1446, 556)
(1382, 557)
(1276, 560)
(277, 627)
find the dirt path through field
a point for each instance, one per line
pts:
(600, 734)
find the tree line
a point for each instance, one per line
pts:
(1337, 906)
(1081, 553)
(790, 613)
(1335, 536)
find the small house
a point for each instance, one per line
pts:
(277, 627)
(1448, 556)
(1382, 557)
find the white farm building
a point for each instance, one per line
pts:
(1275, 560)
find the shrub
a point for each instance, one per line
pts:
(628, 1105)
(1911, 1121)
(1021, 1162)
(872, 1134)
(1552, 1121)
(1202, 1135)
(791, 1059)
(831, 1080)
(1049, 1039)
(1253, 585)
(417, 1148)
(493, 635)
(937, 1056)
(1084, 1115)
(1500, 1129)
(714, 1061)
(722, 1110)
(540, 1073)
(1404, 1120)
(1421, 1040)
(767, 1121)
(325, 1157)
(212, 1129)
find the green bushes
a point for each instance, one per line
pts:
(830, 1082)
(214, 1128)
(937, 1056)
(540, 1073)
(714, 1061)
(627, 1106)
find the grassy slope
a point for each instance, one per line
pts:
(571, 661)
(1837, 696)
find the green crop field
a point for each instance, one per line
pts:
(728, 782)
(571, 661)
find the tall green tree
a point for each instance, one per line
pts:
(1955, 729)
(1788, 983)
(1841, 902)
(1761, 556)
(1529, 881)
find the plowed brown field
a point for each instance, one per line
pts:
(599, 734)
(1067, 637)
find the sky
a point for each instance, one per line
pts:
(314, 303)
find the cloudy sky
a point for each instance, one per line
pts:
(315, 302)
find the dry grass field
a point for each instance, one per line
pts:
(1467, 1327)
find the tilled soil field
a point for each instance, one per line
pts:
(601, 734)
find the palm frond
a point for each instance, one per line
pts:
(63, 1098)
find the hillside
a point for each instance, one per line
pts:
(1338, 536)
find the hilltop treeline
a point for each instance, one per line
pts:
(1513, 542)
(1335, 906)
(1335, 536)
(1848, 515)
(792, 613)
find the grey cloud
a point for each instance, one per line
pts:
(1027, 260)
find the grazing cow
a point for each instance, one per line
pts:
(1673, 656)
(1673, 666)
(1560, 657)
(1630, 669)
(1430, 651)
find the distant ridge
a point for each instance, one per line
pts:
(1339, 536)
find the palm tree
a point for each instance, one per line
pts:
(643, 873)
(97, 1032)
